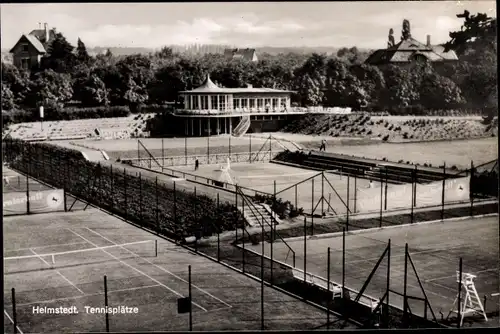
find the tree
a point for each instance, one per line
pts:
(135, 95)
(165, 53)
(93, 92)
(401, 89)
(371, 79)
(81, 52)
(50, 89)
(17, 80)
(343, 89)
(310, 80)
(438, 92)
(8, 100)
(60, 55)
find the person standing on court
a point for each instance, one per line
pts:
(196, 164)
(323, 145)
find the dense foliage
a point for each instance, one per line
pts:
(69, 74)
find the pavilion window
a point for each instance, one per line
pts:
(251, 103)
(204, 102)
(195, 102)
(236, 103)
(222, 102)
(260, 103)
(275, 103)
(244, 103)
(214, 101)
(188, 102)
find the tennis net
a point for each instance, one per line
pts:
(87, 256)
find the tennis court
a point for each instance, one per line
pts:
(60, 259)
(261, 176)
(435, 249)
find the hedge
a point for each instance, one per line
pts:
(128, 196)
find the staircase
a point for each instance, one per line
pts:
(242, 127)
(287, 144)
(255, 215)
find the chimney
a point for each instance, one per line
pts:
(47, 37)
(428, 40)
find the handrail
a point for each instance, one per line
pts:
(252, 207)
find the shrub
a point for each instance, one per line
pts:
(385, 138)
(284, 209)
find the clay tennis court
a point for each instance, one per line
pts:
(261, 176)
(60, 259)
(435, 249)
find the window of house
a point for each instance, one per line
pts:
(204, 102)
(275, 103)
(214, 101)
(195, 102)
(244, 103)
(25, 63)
(236, 103)
(251, 103)
(222, 102)
(260, 103)
(25, 47)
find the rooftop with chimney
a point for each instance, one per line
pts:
(243, 54)
(30, 48)
(409, 50)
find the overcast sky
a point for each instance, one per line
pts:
(361, 24)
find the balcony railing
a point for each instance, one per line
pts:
(318, 109)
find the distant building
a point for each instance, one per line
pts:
(409, 50)
(244, 54)
(30, 48)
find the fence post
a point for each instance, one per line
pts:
(471, 193)
(28, 187)
(111, 184)
(262, 280)
(106, 302)
(157, 207)
(140, 197)
(250, 149)
(296, 197)
(385, 200)
(442, 191)
(415, 187)
(243, 234)
(270, 147)
(229, 146)
(412, 195)
(348, 185)
(405, 282)
(381, 197)
(208, 147)
(14, 313)
(162, 153)
(125, 191)
(305, 248)
(185, 151)
(355, 192)
(343, 262)
(190, 300)
(459, 296)
(312, 208)
(323, 192)
(138, 152)
(328, 289)
(388, 284)
(218, 232)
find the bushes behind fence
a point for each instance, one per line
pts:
(141, 200)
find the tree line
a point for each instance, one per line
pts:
(69, 75)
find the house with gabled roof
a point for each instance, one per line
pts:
(243, 54)
(31, 48)
(409, 50)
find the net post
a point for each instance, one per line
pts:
(442, 191)
(106, 302)
(190, 301)
(328, 289)
(14, 313)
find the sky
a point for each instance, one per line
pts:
(364, 24)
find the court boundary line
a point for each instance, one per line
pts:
(139, 271)
(163, 269)
(53, 245)
(58, 272)
(12, 321)
(85, 295)
(454, 276)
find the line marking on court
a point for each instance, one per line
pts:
(57, 271)
(276, 176)
(36, 247)
(454, 276)
(8, 316)
(163, 269)
(139, 271)
(84, 296)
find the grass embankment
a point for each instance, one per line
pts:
(394, 128)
